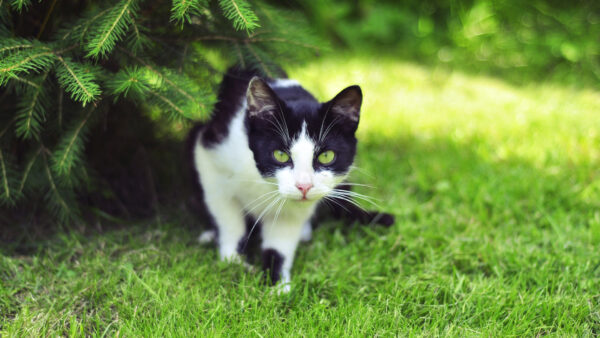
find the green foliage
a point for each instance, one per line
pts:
(8, 180)
(78, 79)
(102, 61)
(183, 10)
(517, 40)
(19, 5)
(240, 13)
(110, 28)
(69, 150)
(30, 59)
(32, 109)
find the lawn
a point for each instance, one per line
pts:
(496, 192)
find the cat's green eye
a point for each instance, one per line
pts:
(326, 157)
(281, 156)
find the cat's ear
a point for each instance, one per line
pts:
(347, 103)
(260, 98)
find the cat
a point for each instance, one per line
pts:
(267, 157)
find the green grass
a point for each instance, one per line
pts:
(496, 190)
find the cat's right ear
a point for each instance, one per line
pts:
(260, 98)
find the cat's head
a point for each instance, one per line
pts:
(306, 147)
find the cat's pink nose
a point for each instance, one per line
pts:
(304, 187)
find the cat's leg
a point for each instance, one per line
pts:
(279, 242)
(231, 226)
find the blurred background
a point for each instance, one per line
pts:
(520, 42)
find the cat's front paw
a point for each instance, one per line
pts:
(207, 236)
(281, 288)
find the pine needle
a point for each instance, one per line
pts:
(182, 10)
(240, 13)
(32, 110)
(6, 189)
(70, 148)
(28, 169)
(111, 29)
(78, 79)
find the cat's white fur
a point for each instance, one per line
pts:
(233, 186)
(284, 83)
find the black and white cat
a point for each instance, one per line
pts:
(270, 153)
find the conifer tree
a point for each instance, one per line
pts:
(65, 64)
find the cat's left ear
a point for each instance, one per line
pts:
(347, 103)
(260, 98)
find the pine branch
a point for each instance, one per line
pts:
(78, 80)
(182, 10)
(82, 27)
(35, 59)
(128, 83)
(257, 58)
(28, 169)
(55, 200)
(22, 80)
(70, 148)
(111, 29)
(8, 195)
(32, 110)
(136, 40)
(165, 78)
(46, 17)
(8, 45)
(20, 4)
(239, 12)
(5, 188)
(168, 102)
(143, 85)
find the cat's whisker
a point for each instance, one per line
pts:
(358, 185)
(260, 216)
(329, 199)
(279, 130)
(279, 210)
(359, 196)
(349, 198)
(356, 194)
(328, 129)
(258, 198)
(360, 170)
(270, 196)
(287, 132)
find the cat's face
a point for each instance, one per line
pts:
(306, 148)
